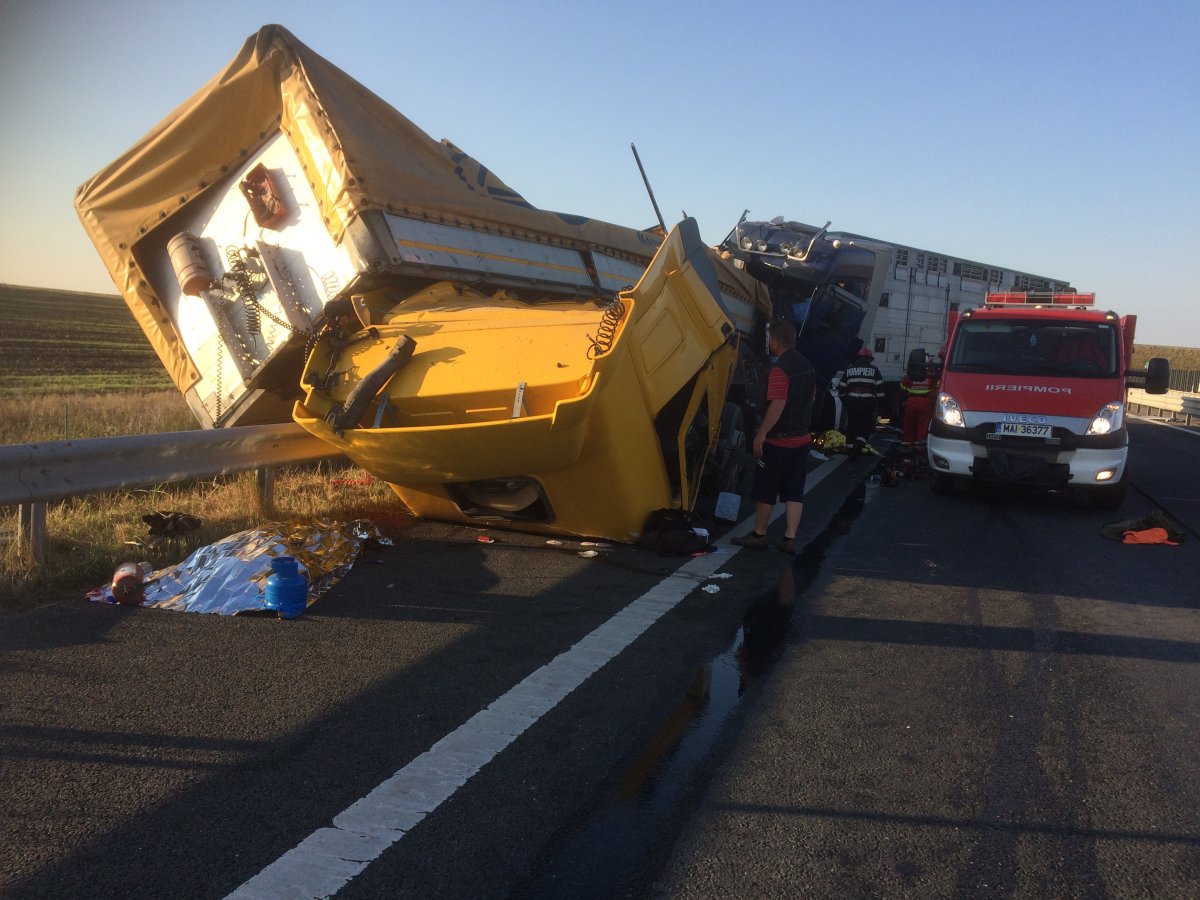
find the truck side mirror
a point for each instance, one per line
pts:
(1158, 376)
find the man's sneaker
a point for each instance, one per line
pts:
(751, 539)
(786, 544)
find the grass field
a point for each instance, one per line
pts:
(55, 341)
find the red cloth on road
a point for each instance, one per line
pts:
(1149, 536)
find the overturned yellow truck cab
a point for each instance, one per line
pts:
(560, 416)
(291, 243)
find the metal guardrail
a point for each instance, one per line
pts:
(1184, 406)
(33, 474)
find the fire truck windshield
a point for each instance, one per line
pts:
(1035, 347)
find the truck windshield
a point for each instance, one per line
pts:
(1035, 347)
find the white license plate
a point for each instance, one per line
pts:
(1021, 429)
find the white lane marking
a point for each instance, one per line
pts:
(326, 860)
(1165, 424)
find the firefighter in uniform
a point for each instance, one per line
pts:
(861, 390)
(918, 396)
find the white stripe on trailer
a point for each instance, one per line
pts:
(420, 243)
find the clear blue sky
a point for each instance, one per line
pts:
(1057, 138)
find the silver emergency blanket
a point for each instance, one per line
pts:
(230, 576)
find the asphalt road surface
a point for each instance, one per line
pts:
(983, 697)
(940, 696)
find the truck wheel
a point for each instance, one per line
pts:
(1110, 497)
(942, 484)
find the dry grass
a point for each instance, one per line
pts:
(88, 537)
(72, 416)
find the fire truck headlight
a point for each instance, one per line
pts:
(1110, 418)
(948, 411)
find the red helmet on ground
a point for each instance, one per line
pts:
(865, 353)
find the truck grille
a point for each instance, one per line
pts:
(1031, 451)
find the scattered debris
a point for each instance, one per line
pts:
(831, 441)
(1155, 528)
(674, 531)
(169, 524)
(728, 506)
(129, 583)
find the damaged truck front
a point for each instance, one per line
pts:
(824, 285)
(294, 247)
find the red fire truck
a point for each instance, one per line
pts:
(1033, 392)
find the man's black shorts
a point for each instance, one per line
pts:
(780, 475)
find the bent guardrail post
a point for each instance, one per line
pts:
(33, 474)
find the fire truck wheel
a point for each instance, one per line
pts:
(942, 484)
(1110, 497)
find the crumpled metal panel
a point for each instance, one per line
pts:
(230, 576)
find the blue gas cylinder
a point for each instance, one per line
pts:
(287, 588)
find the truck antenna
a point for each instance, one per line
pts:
(646, 181)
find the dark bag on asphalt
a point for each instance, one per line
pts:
(672, 532)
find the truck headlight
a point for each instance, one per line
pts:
(1110, 418)
(948, 411)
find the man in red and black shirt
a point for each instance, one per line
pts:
(783, 439)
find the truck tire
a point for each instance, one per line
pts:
(1111, 496)
(942, 484)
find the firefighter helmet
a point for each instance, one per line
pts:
(865, 353)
